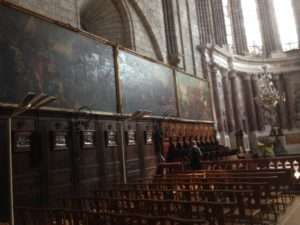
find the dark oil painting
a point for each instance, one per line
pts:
(38, 56)
(146, 85)
(194, 97)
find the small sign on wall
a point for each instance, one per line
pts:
(130, 137)
(88, 138)
(111, 138)
(148, 137)
(59, 140)
(22, 141)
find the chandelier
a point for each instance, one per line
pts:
(268, 96)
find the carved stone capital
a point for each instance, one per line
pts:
(175, 59)
(204, 46)
(246, 76)
(232, 74)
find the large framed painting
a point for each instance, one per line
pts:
(146, 85)
(193, 97)
(40, 56)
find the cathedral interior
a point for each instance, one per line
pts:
(94, 92)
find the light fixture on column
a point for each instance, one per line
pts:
(30, 101)
(134, 116)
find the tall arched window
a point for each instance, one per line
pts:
(252, 29)
(286, 24)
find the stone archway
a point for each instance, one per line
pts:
(108, 19)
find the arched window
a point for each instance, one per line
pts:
(252, 29)
(286, 24)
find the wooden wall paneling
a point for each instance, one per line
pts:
(191, 131)
(140, 142)
(158, 140)
(211, 131)
(179, 133)
(100, 152)
(173, 132)
(75, 155)
(89, 164)
(26, 184)
(132, 151)
(165, 132)
(4, 172)
(196, 132)
(185, 131)
(202, 131)
(151, 158)
(44, 150)
(61, 160)
(112, 154)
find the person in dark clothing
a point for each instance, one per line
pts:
(195, 156)
(171, 152)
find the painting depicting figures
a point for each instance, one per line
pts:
(39, 56)
(146, 85)
(194, 97)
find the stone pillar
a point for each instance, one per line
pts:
(281, 115)
(217, 100)
(249, 100)
(228, 101)
(207, 75)
(269, 28)
(236, 101)
(239, 33)
(205, 21)
(259, 111)
(290, 102)
(219, 22)
(174, 54)
(296, 7)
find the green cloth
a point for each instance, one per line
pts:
(262, 150)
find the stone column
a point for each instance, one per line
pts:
(259, 111)
(174, 54)
(249, 100)
(281, 115)
(269, 28)
(290, 102)
(236, 101)
(228, 101)
(205, 21)
(296, 7)
(207, 74)
(219, 22)
(239, 33)
(217, 100)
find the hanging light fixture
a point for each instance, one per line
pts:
(268, 96)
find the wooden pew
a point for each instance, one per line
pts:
(46, 216)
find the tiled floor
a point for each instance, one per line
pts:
(292, 215)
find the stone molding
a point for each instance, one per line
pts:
(248, 64)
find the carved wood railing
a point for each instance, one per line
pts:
(287, 162)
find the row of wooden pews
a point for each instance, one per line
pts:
(191, 197)
(211, 150)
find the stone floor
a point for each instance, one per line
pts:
(292, 215)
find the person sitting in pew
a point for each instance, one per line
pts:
(195, 156)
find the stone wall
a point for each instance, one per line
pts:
(65, 11)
